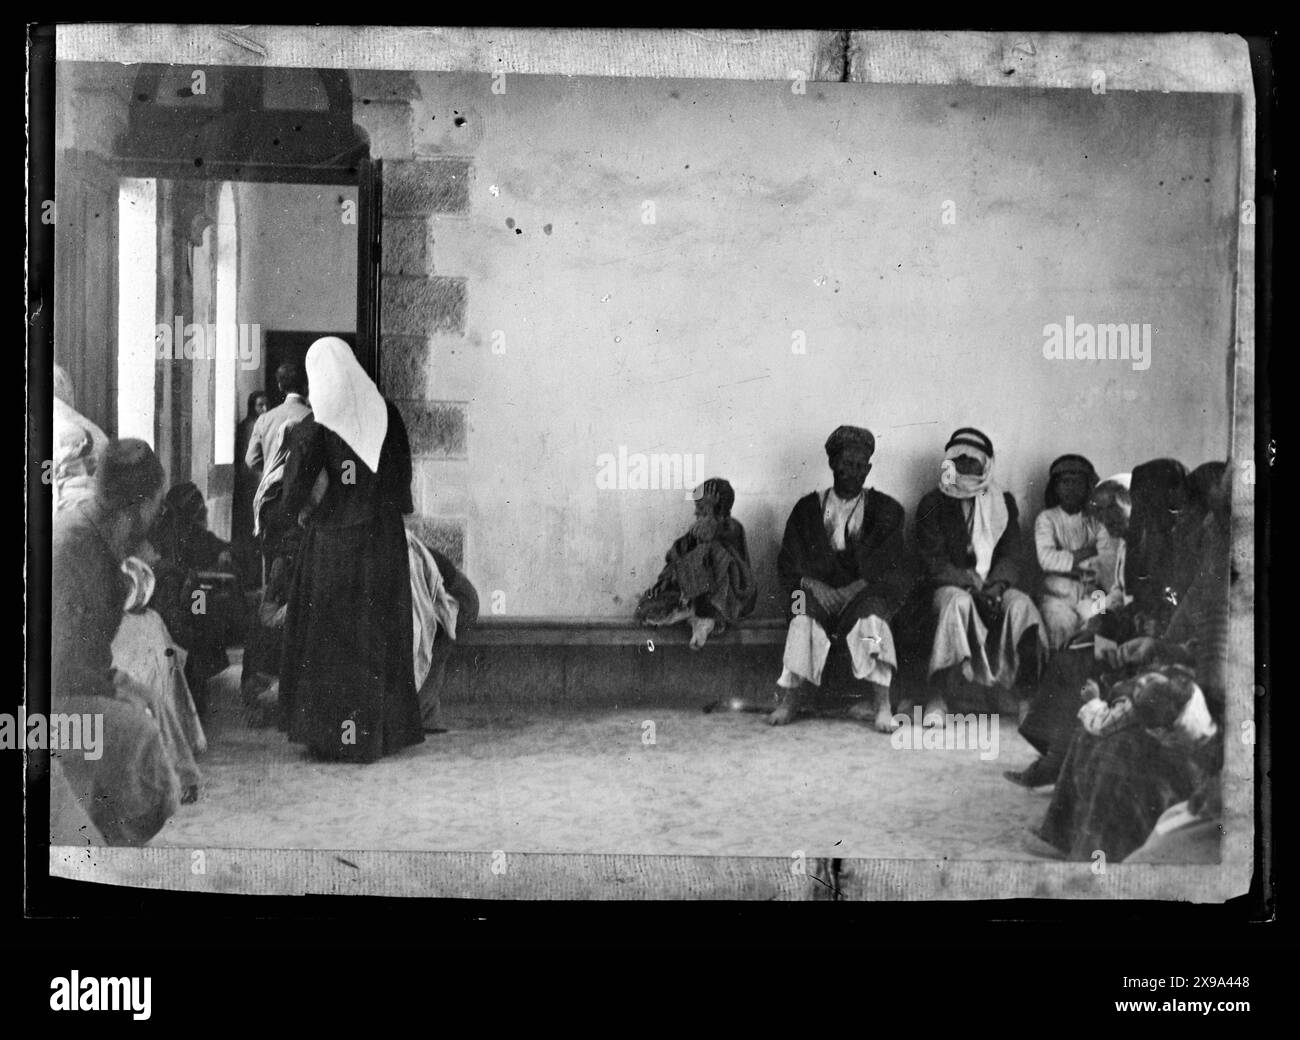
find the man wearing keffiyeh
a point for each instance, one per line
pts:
(968, 535)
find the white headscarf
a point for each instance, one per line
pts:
(344, 399)
(989, 505)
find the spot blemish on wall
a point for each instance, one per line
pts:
(546, 228)
(459, 120)
(519, 231)
(510, 222)
(675, 95)
(494, 191)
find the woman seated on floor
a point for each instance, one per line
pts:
(1161, 554)
(968, 536)
(1127, 763)
(204, 616)
(1068, 539)
(706, 581)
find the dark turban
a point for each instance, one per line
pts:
(1069, 464)
(129, 474)
(850, 436)
(720, 491)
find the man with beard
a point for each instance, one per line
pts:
(846, 572)
(131, 790)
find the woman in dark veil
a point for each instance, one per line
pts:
(347, 678)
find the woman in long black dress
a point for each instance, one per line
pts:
(347, 682)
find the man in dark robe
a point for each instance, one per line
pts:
(845, 572)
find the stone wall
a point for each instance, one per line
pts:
(423, 307)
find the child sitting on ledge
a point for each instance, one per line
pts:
(706, 580)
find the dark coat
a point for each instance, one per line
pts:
(944, 543)
(87, 593)
(347, 654)
(878, 557)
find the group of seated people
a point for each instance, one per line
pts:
(1112, 660)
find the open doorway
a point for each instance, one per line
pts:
(219, 282)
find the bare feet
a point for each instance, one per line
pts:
(700, 629)
(863, 710)
(787, 711)
(884, 717)
(935, 710)
(875, 709)
(683, 613)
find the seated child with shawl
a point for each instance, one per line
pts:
(707, 580)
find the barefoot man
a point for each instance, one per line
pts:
(845, 571)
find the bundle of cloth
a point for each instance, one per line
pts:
(443, 605)
(149, 670)
(78, 446)
(706, 580)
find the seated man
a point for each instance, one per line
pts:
(706, 580)
(968, 535)
(845, 571)
(131, 790)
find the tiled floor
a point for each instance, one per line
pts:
(710, 784)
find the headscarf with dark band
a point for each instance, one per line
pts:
(989, 514)
(1069, 464)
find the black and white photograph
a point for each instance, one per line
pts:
(595, 464)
